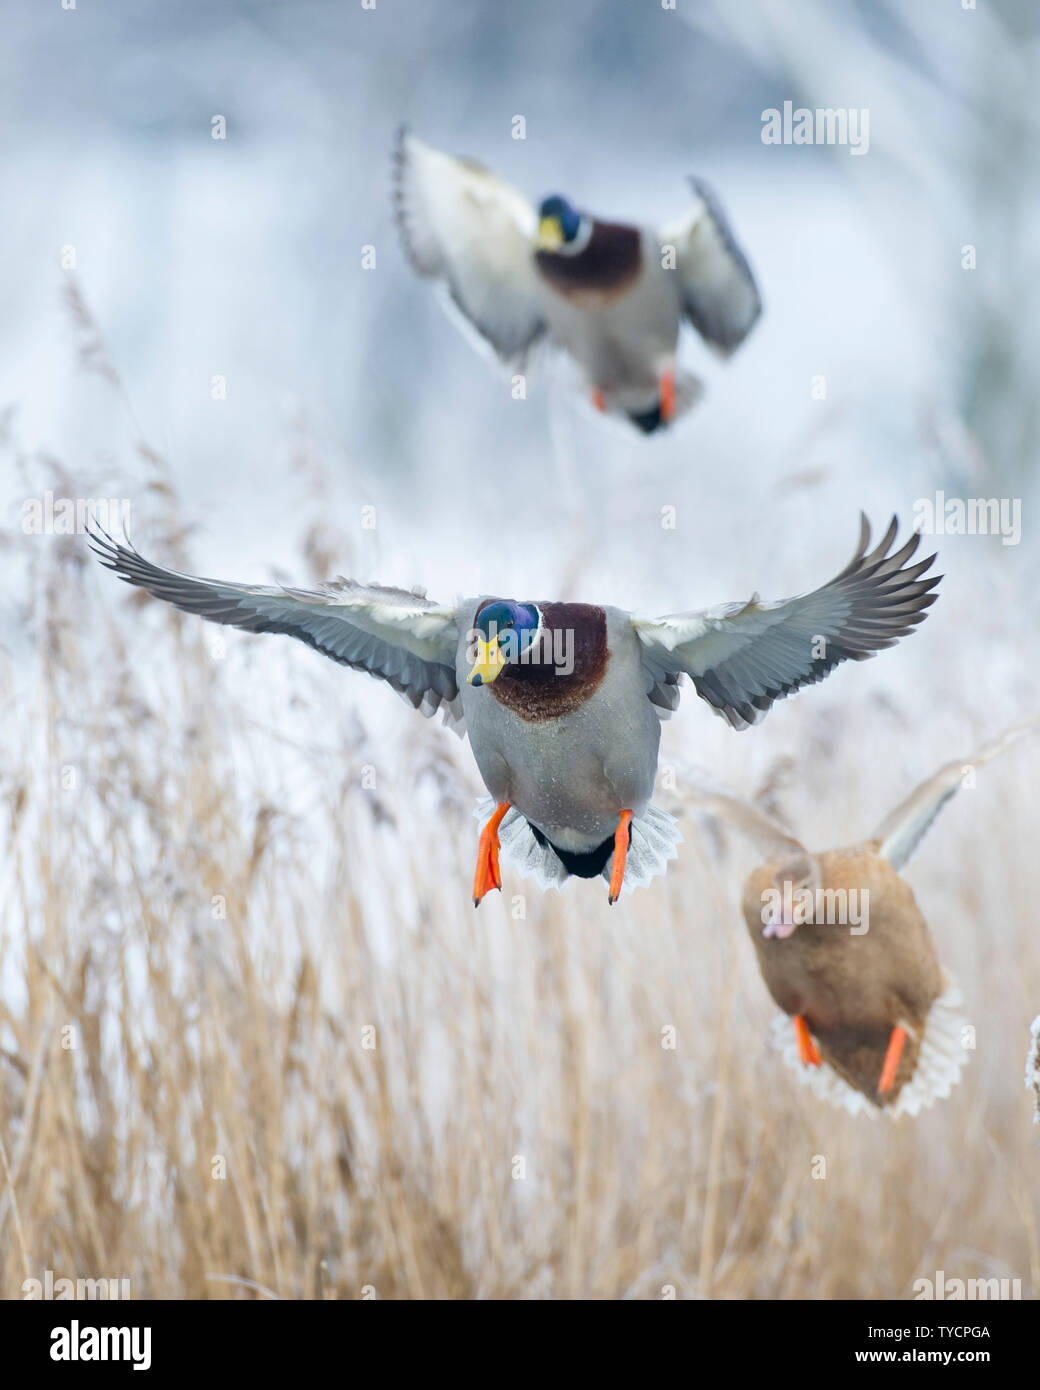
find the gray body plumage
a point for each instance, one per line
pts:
(624, 344)
(569, 776)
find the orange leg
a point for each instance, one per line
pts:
(892, 1057)
(488, 875)
(807, 1050)
(667, 394)
(622, 839)
(599, 401)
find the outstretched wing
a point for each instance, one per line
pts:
(719, 294)
(401, 637)
(744, 656)
(768, 837)
(902, 830)
(466, 228)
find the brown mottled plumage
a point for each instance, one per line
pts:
(857, 996)
(852, 990)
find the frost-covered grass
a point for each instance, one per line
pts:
(252, 1027)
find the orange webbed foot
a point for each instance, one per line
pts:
(807, 1050)
(893, 1056)
(488, 874)
(599, 400)
(622, 840)
(667, 397)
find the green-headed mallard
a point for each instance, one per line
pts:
(846, 953)
(562, 701)
(613, 295)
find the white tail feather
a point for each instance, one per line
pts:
(655, 837)
(939, 1064)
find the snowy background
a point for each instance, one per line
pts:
(348, 388)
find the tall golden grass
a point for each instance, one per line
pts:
(257, 1043)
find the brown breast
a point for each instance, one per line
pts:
(574, 633)
(605, 269)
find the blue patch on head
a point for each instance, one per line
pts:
(514, 624)
(569, 219)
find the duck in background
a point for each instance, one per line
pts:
(845, 951)
(611, 294)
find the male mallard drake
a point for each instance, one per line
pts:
(562, 701)
(613, 295)
(845, 951)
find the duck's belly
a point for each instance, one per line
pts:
(569, 783)
(622, 342)
(571, 776)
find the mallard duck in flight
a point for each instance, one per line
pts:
(562, 702)
(877, 1021)
(613, 295)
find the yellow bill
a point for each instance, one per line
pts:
(488, 664)
(550, 234)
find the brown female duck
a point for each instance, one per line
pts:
(845, 951)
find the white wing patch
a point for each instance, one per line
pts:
(474, 234)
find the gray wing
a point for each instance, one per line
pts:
(743, 657)
(465, 228)
(401, 637)
(902, 830)
(718, 290)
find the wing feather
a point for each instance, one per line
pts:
(399, 636)
(464, 227)
(902, 830)
(743, 657)
(719, 294)
(767, 836)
